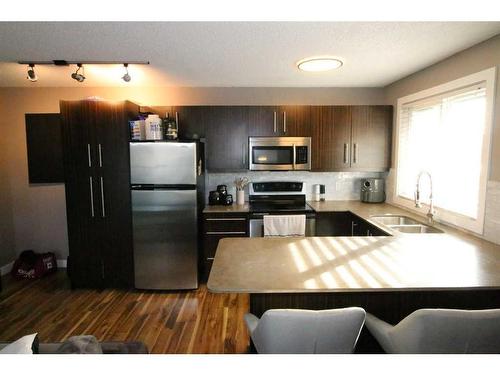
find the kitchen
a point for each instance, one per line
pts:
(330, 155)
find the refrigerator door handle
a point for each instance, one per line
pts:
(102, 198)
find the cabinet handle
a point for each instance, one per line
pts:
(91, 197)
(88, 153)
(226, 219)
(210, 258)
(354, 153)
(284, 122)
(100, 155)
(177, 120)
(217, 233)
(102, 198)
(243, 156)
(353, 224)
(275, 122)
(346, 153)
(368, 232)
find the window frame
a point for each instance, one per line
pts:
(488, 76)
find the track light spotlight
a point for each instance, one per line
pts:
(31, 73)
(126, 77)
(80, 77)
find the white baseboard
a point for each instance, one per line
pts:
(4, 270)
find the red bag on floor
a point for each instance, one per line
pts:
(31, 265)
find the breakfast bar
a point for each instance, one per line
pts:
(389, 276)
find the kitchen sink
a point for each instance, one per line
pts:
(405, 224)
(395, 220)
(415, 228)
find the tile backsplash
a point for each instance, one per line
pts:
(338, 185)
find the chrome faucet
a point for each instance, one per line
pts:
(432, 211)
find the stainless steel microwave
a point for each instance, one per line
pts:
(279, 153)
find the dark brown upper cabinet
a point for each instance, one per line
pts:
(44, 146)
(191, 121)
(371, 138)
(351, 138)
(295, 121)
(226, 129)
(263, 121)
(279, 121)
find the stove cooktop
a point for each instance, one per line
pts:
(278, 196)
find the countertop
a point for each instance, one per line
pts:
(447, 260)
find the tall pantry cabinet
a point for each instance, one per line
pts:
(97, 181)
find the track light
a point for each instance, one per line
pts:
(80, 77)
(31, 73)
(126, 77)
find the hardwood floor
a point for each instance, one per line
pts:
(179, 322)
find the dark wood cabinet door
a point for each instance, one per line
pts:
(85, 263)
(295, 121)
(333, 224)
(263, 121)
(371, 138)
(227, 138)
(341, 138)
(191, 121)
(44, 146)
(322, 138)
(113, 193)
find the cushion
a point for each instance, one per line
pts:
(80, 345)
(25, 345)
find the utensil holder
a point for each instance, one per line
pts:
(240, 197)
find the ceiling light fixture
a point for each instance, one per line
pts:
(77, 76)
(126, 77)
(319, 64)
(31, 73)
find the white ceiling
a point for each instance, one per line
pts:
(225, 54)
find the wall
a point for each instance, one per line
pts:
(34, 217)
(482, 56)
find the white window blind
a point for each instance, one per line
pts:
(443, 135)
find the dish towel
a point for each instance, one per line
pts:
(285, 225)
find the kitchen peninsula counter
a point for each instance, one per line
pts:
(388, 276)
(452, 259)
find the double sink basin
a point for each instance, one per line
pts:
(405, 224)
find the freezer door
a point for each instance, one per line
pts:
(163, 163)
(165, 239)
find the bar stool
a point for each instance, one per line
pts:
(434, 331)
(286, 331)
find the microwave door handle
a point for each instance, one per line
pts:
(294, 156)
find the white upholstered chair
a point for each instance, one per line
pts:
(283, 331)
(439, 331)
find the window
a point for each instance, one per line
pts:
(446, 131)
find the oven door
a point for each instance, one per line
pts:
(279, 153)
(257, 225)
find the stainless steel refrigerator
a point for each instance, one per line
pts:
(165, 212)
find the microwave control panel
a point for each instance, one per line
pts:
(301, 155)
